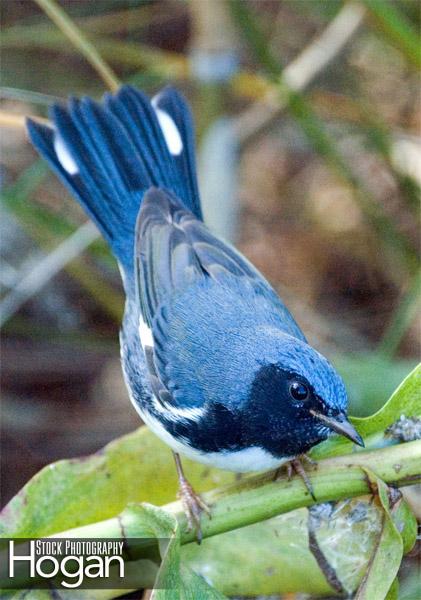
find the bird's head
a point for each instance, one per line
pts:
(296, 400)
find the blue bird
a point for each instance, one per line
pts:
(214, 362)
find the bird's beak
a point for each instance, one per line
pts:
(341, 425)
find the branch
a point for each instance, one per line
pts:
(259, 498)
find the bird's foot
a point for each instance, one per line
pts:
(193, 504)
(296, 465)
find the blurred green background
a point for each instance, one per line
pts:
(309, 156)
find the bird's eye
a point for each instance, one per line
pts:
(299, 391)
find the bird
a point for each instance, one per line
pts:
(214, 362)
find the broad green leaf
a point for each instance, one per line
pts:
(393, 593)
(406, 523)
(405, 400)
(194, 587)
(172, 582)
(266, 558)
(138, 467)
(274, 556)
(370, 379)
(386, 558)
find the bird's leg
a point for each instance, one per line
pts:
(296, 465)
(193, 504)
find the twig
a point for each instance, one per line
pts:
(259, 498)
(52, 264)
(301, 71)
(78, 39)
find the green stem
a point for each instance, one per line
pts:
(78, 39)
(260, 498)
(396, 28)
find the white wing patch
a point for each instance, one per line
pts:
(145, 334)
(174, 413)
(169, 129)
(65, 158)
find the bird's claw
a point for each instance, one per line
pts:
(296, 465)
(193, 506)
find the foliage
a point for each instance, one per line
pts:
(87, 493)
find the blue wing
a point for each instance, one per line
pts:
(199, 297)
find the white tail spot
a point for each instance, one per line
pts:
(65, 158)
(169, 129)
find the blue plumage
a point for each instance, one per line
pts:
(118, 151)
(214, 362)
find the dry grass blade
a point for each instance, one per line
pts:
(78, 39)
(31, 283)
(302, 71)
(15, 121)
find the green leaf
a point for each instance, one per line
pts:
(144, 521)
(393, 592)
(386, 559)
(273, 556)
(266, 557)
(174, 581)
(194, 587)
(370, 379)
(75, 492)
(405, 400)
(406, 523)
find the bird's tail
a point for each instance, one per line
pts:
(109, 154)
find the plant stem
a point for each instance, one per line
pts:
(260, 498)
(78, 39)
(396, 28)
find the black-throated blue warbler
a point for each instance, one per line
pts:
(214, 362)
